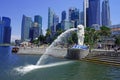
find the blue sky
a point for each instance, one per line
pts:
(16, 8)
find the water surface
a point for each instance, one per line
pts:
(75, 70)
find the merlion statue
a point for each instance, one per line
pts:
(80, 34)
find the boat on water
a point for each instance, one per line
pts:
(15, 49)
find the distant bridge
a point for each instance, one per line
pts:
(5, 44)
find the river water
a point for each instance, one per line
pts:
(72, 70)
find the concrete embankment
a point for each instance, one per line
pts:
(104, 57)
(41, 50)
(31, 51)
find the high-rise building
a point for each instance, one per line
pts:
(82, 18)
(58, 27)
(7, 30)
(55, 22)
(74, 16)
(1, 32)
(65, 25)
(93, 12)
(26, 25)
(50, 18)
(71, 10)
(105, 13)
(63, 16)
(85, 11)
(38, 19)
(34, 31)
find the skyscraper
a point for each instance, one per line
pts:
(105, 13)
(7, 30)
(74, 16)
(34, 31)
(26, 24)
(55, 22)
(58, 27)
(1, 32)
(65, 25)
(85, 11)
(93, 13)
(82, 18)
(50, 18)
(63, 17)
(38, 19)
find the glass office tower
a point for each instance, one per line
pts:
(26, 25)
(7, 30)
(93, 13)
(50, 18)
(74, 16)
(38, 19)
(1, 32)
(63, 16)
(34, 31)
(105, 13)
(55, 22)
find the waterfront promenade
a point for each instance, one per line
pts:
(110, 57)
(31, 51)
(56, 51)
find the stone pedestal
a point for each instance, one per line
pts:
(76, 54)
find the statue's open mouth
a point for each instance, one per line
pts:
(79, 28)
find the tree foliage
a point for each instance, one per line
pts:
(117, 40)
(91, 36)
(41, 38)
(105, 31)
(73, 38)
(48, 32)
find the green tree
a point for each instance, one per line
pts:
(59, 32)
(105, 31)
(36, 41)
(117, 40)
(72, 39)
(41, 38)
(91, 37)
(48, 32)
(48, 36)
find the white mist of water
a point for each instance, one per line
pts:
(25, 69)
(56, 48)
